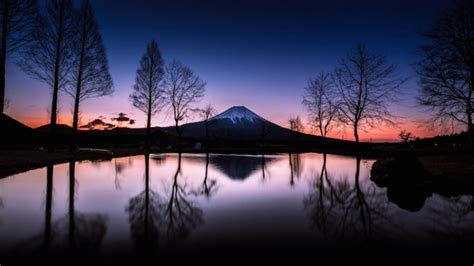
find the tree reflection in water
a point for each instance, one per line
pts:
(209, 186)
(180, 214)
(453, 219)
(144, 215)
(296, 167)
(79, 232)
(344, 210)
(155, 221)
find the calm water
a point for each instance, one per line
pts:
(171, 202)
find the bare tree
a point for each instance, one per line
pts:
(406, 136)
(183, 88)
(206, 113)
(296, 124)
(18, 18)
(90, 77)
(446, 69)
(147, 93)
(48, 59)
(366, 83)
(320, 102)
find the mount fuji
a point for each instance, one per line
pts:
(236, 123)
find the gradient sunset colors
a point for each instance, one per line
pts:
(253, 53)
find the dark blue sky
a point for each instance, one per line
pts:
(253, 53)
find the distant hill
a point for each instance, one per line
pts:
(60, 129)
(14, 133)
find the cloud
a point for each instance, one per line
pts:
(131, 122)
(122, 117)
(98, 124)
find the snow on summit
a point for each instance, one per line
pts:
(239, 114)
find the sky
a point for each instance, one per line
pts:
(255, 53)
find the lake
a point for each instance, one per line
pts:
(162, 203)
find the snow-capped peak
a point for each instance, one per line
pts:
(238, 114)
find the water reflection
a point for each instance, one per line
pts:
(209, 186)
(82, 232)
(341, 209)
(144, 215)
(181, 214)
(296, 166)
(163, 219)
(156, 203)
(238, 167)
(48, 207)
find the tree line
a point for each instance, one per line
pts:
(357, 93)
(62, 47)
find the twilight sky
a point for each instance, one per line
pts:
(257, 53)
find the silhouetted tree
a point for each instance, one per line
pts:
(446, 69)
(18, 18)
(183, 88)
(49, 57)
(406, 136)
(366, 84)
(296, 124)
(206, 113)
(320, 102)
(147, 93)
(90, 69)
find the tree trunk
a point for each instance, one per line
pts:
(3, 54)
(356, 133)
(207, 134)
(148, 129)
(54, 104)
(178, 131)
(470, 131)
(77, 99)
(75, 122)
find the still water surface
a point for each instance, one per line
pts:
(160, 202)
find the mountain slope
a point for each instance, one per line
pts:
(238, 123)
(14, 133)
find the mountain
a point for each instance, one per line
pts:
(237, 123)
(14, 133)
(60, 129)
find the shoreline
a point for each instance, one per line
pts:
(18, 161)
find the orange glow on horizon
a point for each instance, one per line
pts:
(381, 134)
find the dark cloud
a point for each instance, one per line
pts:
(131, 122)
(98, 124)
(122, 117)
